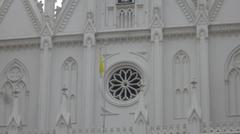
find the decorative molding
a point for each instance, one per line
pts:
(19, 43)
(65, 15)
(121, 36)
(35, 20)
(68, 40)
(108, 56)
(190, 12)
(111, 71)
(187, 10)
(143, 55)
(4, 9)
(215, 9)
(179, 32)
(15, 77)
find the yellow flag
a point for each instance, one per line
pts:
(101, 66)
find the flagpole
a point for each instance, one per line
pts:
(101, 83)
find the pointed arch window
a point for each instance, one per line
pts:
(232, 83)
(69, 81)
(181, 77)
(14, 77)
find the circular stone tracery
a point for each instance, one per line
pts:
(125, 83)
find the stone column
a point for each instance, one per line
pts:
(203, 59)
(44, 91)
(89, 69)
(157, 65)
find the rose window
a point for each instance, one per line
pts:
(125, 83)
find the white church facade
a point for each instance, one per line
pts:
(120, 66)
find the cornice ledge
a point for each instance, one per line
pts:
(35, 21)
(187, 10)
(68, 40)
(4, 9)
(64, 18)
(179, 32)
(19, 43)
(224, 28)
(113, 36)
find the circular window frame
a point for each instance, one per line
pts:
(108, 96)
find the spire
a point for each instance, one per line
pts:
(64, 116)
(49, 7)
(194, 114)
(202, 13)
(156, 21)
(90, 27)
(142, 113)
(195, 109)
(15, 120)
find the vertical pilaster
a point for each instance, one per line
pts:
(203, 59)
(157, 65)
(90, 63)
(44, 91)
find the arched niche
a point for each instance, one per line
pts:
(69, 81)
(181, 78)
(14, 76)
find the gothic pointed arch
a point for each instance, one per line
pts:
(232, 82)
(69, 81)
(188, 8)
(14, 77)
(181, 78)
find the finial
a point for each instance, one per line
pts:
(15, 93)
(194, 83)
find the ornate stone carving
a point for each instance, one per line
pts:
(4, 8)
(46, 36)
(123, 83)
(14, 74)
(62, 21)
(35, 20)
(40, 5)
(187, 10)
(15, 79)
(215, 9)
(190, 12)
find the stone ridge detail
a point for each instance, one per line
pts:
(35, 21)
(190, 13)
(4, 9)
(187, 11)
(215, 9)
(65, 16)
